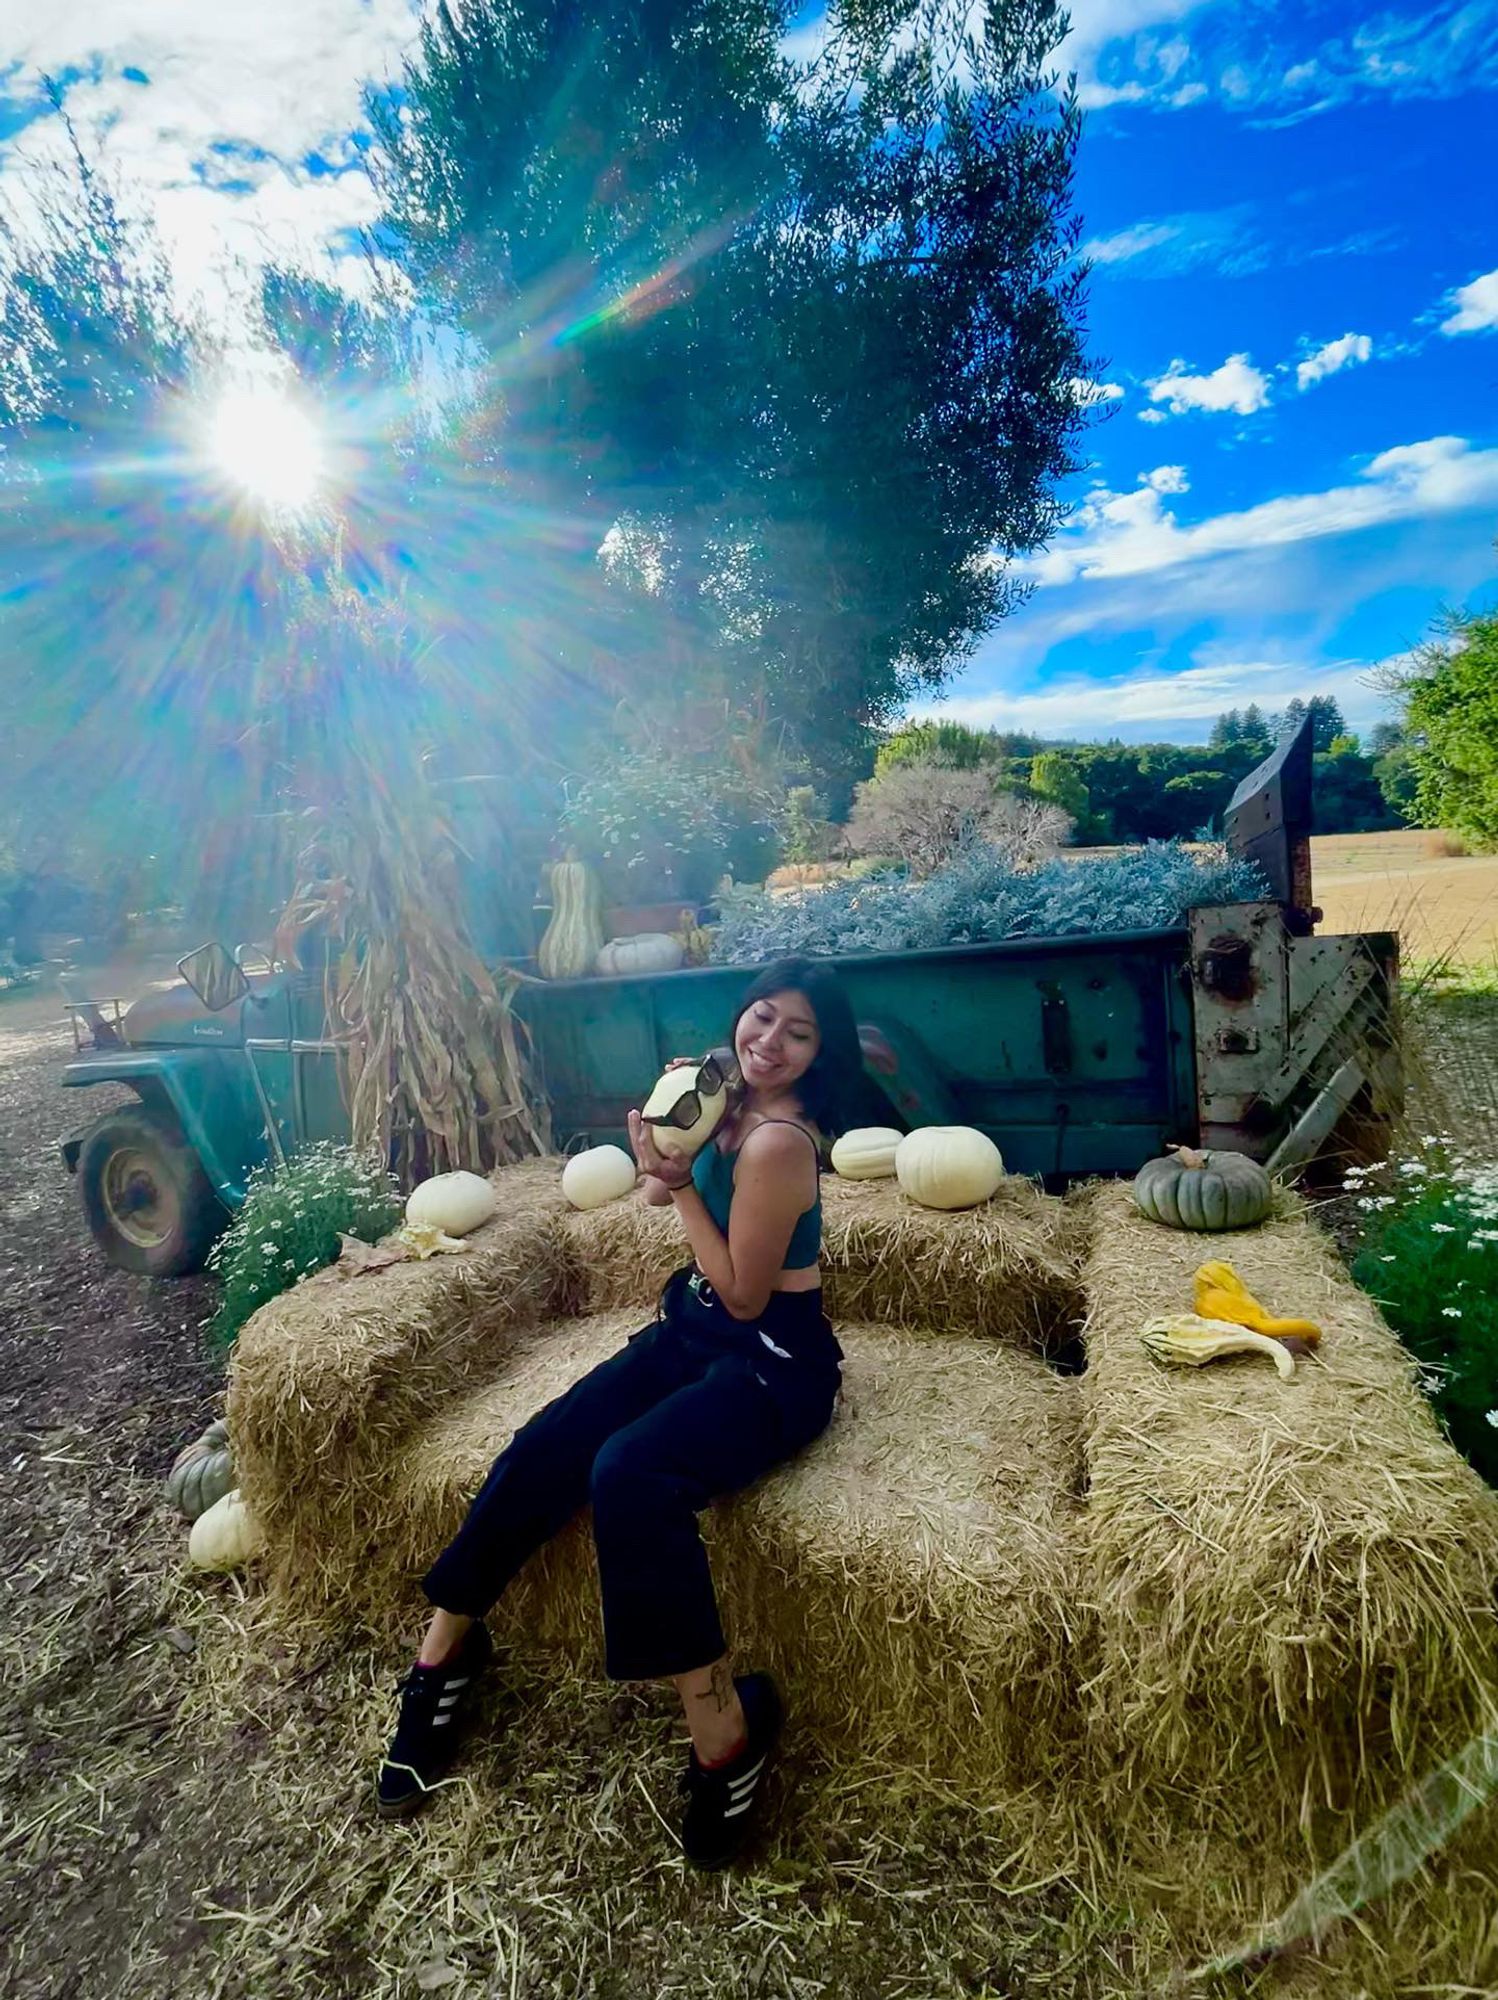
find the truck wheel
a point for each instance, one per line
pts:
(150, 1205)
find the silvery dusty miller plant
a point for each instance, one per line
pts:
(981, 897)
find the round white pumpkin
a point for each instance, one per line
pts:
(648, 951)
(948, 1166)
(455, 1203)
(225, 1535)
(867, 1153)
(597, 1175)
(674, 1141)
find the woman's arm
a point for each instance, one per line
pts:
(774, 1186)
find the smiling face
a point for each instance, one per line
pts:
(776, 1040)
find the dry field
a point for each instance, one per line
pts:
(1441, 904)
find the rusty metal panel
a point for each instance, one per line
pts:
(1241, 1004)
(1284, 1023)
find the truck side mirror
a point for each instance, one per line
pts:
(212, 974)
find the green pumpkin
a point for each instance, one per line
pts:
(202, 1472)
(1190, 1190)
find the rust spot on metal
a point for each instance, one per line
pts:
(1226, 968)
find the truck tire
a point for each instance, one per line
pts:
(151, 1207)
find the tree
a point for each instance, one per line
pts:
(707, 300)
(1054, 777)
(1384, 737)
(1326, 720)
(1450, 695)
(921, 814)
(1397, 776)
(950, 743)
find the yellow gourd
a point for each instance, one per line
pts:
(1222, 1294)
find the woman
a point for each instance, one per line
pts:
(738, 1371)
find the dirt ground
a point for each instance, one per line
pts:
(184, 1793)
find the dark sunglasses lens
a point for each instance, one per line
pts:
(686, 1111)
(710, 1076)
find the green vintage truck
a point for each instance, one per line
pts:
(1079, 1055)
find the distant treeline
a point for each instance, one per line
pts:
(1129, 792)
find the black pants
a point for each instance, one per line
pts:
(695, 1405)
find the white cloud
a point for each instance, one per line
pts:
(1476, 306)
(1333, 357)
(1236, 385)
(218, 140)
(1088, 708)
(1134, 534)
(1089, 394)
(1135, 241)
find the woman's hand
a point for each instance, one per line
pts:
(658, 1166)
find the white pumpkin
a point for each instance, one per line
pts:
(675, 1141)
(597, 1175)
(867, 1153)
(455, 1203)
(224, 1535)
(647, 951)
(948, 1166)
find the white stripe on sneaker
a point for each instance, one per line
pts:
(745, 1778)
(438, 1720)
(732, 1812)
(447, 1700)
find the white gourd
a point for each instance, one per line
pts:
(597, 1175)
(225, 1535)
(671, 1140)
(948, 1166)
(455, 1203)
(867, 1153)
(648, 951)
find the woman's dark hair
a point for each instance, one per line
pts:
(829, 1091)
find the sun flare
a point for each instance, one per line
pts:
(268, 446)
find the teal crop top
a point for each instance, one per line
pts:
(712, 1176)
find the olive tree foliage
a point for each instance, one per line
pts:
(923, 814)
(160, 732)
(769, 365)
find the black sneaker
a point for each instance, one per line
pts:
(721, 1802)
(433, 1701)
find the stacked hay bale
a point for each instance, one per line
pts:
(330, 1379)
(1293, 1581)
(1209, 1620)
(912, 1573)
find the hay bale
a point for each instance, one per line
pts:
(909, 1576)
(1007, 1271)
(331, 1377)
(1293, 1580)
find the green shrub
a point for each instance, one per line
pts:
(290, 1225)
(1430, 1258)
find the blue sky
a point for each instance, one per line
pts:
(1294, 311)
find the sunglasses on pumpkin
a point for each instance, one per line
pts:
(687, 1109)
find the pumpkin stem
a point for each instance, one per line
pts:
(1189, 1157)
